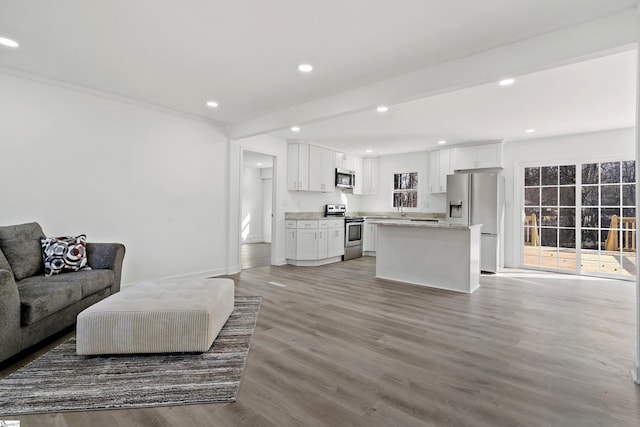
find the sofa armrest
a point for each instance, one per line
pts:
(9, 315)
(107, 256)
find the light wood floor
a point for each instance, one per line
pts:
(255, 255)
(337, 347)
(607, 262)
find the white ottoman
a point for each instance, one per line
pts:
(156, 317)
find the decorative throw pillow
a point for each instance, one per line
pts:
(64, 254)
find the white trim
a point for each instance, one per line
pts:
(196, 275)
(636, 372)
(314, 263)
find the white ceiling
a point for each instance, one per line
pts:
(588, 96)
(244, 54)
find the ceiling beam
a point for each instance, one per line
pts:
(550, 50)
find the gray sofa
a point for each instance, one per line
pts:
(33, 306)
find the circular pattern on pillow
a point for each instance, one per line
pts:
(64, 254)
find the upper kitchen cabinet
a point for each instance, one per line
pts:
(370, 172)
(477, 156)
(321, 169)
(298, 167)
(439, 167)
(345, 161)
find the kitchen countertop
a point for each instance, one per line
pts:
(308, 216)
(420, 223)
(367, 215)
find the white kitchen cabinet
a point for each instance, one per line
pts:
(439, 168)
(321, 169)
(369, 176)
(477, 156)
(335, 238)
(369, 238)
(358, 170)
(298, 167)
(344, 161)
(314, 242)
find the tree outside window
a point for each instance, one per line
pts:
(405, 190)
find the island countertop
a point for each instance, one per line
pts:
(421, 223)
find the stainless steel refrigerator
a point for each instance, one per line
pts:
(478, 198)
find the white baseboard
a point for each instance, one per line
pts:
(196, 275)
(635, 372)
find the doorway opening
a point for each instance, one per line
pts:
(256, 226)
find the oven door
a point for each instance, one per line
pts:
(353, 234)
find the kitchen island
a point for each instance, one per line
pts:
(435, 254)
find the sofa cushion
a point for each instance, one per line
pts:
(90, 281)
(4, 264)
(64, 254)
(41, 299)
(21, 245)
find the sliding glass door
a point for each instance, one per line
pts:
(589, 206)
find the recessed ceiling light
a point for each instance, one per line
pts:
(369, 151)
(295, 129)
(305, 68)
(506, 82)
(530, 130)
(259, 164)
(212, 104)
(8, 42)
(442, 141)
(382, 109)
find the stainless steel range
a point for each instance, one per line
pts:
(354, 228)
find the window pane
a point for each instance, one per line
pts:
(550, 175)
(629, 195)
(610, 195)
(589, 239)
(610, 172)
(567, 218)
(590, 173)
(628, 171)
(532, 196)
(549, 196)
(607, 215)
(590, 195)
(609, 240)
(567, 175)
(549, 217)
(533, 211)
(590, 217)
(629, 212)
(531, 176)
(567, 238)
(567, 196)
(549, 237)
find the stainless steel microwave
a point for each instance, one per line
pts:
(345, 178)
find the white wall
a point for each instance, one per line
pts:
(398, 163)
(596, 146)
(252, 205)
(80, 163)
(267, 204)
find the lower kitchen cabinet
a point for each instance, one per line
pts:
(314, 242)
(369, 238)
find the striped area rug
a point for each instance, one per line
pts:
(61, 380)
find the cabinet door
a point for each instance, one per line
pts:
(489, 156)
(298, 167)
(444, 169)
(290, 243)
(292, 167)
(322, 244)
(315, 168)
(434, 172)
(375, 172)
(335, 242)
(306, 244)
(369, 237)
(328, 159)
(358, 168)
(465, 158)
